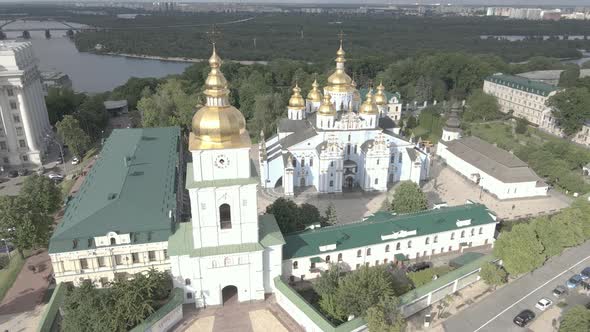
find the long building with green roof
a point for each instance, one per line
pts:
(385, 237)
(120, 219)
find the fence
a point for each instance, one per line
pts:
(50, 319)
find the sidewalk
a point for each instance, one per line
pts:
(22, 306)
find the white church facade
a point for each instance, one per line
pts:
(333, 140)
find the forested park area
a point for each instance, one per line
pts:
(313, 37)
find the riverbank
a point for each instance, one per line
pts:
(175, 59)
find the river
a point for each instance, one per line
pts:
(88, 72)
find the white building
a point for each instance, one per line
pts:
(119, 222)
(497, 171)
(334, 140)
(384, 238)
(525, 98)
(225, 251)
(24, 122)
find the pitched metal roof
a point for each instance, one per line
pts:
(382, 223)
(523, 84)
(496, 162)
(130, 189)
(412, 153)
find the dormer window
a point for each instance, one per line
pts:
(113, 241)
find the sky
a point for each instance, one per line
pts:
(458, 2)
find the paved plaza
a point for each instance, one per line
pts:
(450, 187)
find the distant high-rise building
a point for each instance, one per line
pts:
(23, 115)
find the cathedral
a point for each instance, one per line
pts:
(336, 140)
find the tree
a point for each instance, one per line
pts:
(408, 197)
(569, 76)
(309, 214)
(577, 319)
(481, 107)
(23, 223)
(423, 90)
(93, 116)
(521, 126)
(331, 216)
(363, 288)
(520, 249)
(286, 213)
(71, 134)
(170, 105)
(268, 109)
(328, 281)
(493, 274)
(61, 102)
(43, 193)
(135, 88)
(385, 316)
(571, 107)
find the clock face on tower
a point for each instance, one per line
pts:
(221, 161)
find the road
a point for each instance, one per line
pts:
(495, 312)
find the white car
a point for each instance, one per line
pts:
(75, 161)
(543, 304)
(55, 177)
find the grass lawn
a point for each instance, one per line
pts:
(8, 275)
(555, 159)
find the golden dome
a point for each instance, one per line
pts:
(369, 107)
(314, 94)
(339, 81)
(380, 97)
(296, 101)
(217, 125)
(327, 108)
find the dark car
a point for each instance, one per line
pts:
(23, 171)
(585, 274)
(523, 318)
(12, 173)
(419, 266)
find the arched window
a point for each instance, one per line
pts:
(427, 240)
(376, 181)
(294, 162)
(302, 162)
(398, 246)
(358, 253)
(225, 216)
(295, 264)
(310, 162)
(377, 161)
(472, 231)
(113, 241)
(348, 149)
(453, 236)
(410, 244)
(368, 251)
(462, 234)
(355, 149)
(387, 248)
(328, 259)
(435, 238)
(340, 257)
(187, 282)
(481, 230)
(349, 137)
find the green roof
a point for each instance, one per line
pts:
(191, 183)
(465, 259)
(181, 242)
(523, 84)
(445, 279)
(130, 189)
(369, 231)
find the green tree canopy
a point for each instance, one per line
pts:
(43, 193)
(331, 216)
(569, 76)
(291, 217)
(520, 249)
(571, 108)
(61, 102)
(170, 105)
(133, 89)
(385, 316)
(71, 134)
(93, 116)
(576, 319)
(268, 109)
(408, 197)
(481, 107)
(493, 274)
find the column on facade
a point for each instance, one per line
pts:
(28, 124)
(32, 107)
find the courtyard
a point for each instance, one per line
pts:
(449, 186)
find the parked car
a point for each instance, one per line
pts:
(585, 274)
(543, 304)
(419, 266)
(75, 161)
(12, 173)
(523, 318)
(559, 291)
(55, 176)
(23, 171)
(574, 281)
